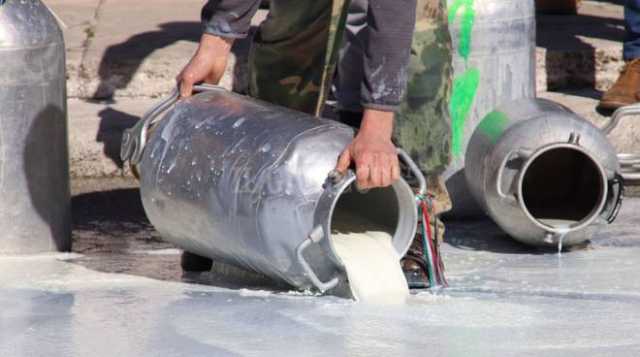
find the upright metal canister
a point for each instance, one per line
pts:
(543, 173)
(34, 174)
(494, 62)
(248, 183)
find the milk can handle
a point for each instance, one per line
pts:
(316, 235)
(630, 169)
(503, 164)
(415, 170)
(135, 138)
(620, 113)
(520, 152)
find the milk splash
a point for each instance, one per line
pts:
(561, 229)
(561, 232)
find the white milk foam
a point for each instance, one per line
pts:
(371, 263)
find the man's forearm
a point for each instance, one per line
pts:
(390, 26)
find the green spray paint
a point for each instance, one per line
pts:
(462, 95)
(493, 125)
(465, 86)
(467, 17)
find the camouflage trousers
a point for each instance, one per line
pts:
(297, 50)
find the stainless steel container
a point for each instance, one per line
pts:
(543, 173)
(494, 63)
(34, 173)
(247, 183)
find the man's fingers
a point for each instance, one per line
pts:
(386, 172)
(344, 161)
(395, 170)
(362, 177)
(363, 172)
(186, 87)
(376, 172)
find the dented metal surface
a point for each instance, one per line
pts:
(246, 182)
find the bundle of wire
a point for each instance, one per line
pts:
(431, 248)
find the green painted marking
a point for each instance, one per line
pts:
(465, 86)
(467, 18)
(464, 91)
(493, 125)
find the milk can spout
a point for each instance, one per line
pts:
(393, 209)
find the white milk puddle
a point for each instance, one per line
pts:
(371, 263)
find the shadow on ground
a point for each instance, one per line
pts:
(113, 123)
(111, 231)
(122, 61)
(559, 32)
(482, 234)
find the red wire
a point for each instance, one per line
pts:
(425, 215)
(436, 254)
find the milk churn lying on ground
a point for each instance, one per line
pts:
(34, 173)
(543, 173)
(247, 183)
(494, 62)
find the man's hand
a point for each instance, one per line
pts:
(208, 63)
(373, 152)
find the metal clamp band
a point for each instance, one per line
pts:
(415, 170)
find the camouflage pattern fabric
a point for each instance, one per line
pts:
(294, 57)
(422, 125)
(422, 122)
(294, 53)
(440, 203)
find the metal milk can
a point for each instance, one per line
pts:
(543, 173)
(494, 63)
(248, 183)
(34, 174)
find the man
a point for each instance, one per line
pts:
(293, 60)
(626, 90)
